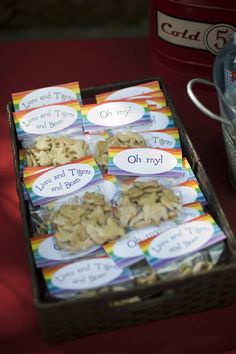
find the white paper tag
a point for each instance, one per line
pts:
(86, 274)
(50, 119)
(181, 240)
(144, 161)
(63, 180)
(159, 140)
(114, 114)
(46, 96)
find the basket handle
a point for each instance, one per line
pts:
(200, 106)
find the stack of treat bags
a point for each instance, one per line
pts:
(113, 202)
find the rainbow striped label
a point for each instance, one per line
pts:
(29, 171)
(46, 96)
(156, 101)
(126, 250)
(48, 119)
(21, 161)
(161, 118)
(46, 253)
(148, 95)
(57, 182)
(184, 239)
(73, 278)
(188, 170)
(115, 114)
(128, 92)
(191, 211)
(190, 192)
(145, 162)
(187, 175)
(164, 139)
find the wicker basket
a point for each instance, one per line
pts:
(66, 319)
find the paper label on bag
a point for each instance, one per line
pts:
(187, 175)
(166, 139)
(48, 119)
(145, 161)
(21, 161)
(148, 95)
(182, 240)
(29, 171)
(188, 171)
(190, 192)
(160, 119)
(128, 92)
(157, 102)
(46, 96)
(66, 179)
(75, 277)
(191, 211)
(126, 251)
(46, 253)
(114, 115)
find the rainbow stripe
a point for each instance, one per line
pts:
(110, 178)
(91, 127)
(21, 161)
(121, 262)
(188, 214)
(20, 115)
(173, 132)
(61, 292)
(73, 86)
(188, 168)
(155, 100)
(164, 110)
(62, 255)
(176, 171)
(35, 244)
(192, 184)
(30, 179)
(29, 171)
(156, 262)
(159, 102)
(196, 205)
(148, 95)
(152, 85)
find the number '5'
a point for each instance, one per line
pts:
(222, 37)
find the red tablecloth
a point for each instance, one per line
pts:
(30, 65)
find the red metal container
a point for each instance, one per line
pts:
(185, 35)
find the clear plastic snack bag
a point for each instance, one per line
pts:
(146, 204)
(47, 150)
(85, 224)
(201, 261)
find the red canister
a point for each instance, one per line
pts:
(185, 35)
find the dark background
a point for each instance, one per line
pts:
(55, 19)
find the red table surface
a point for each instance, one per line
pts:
(30, 65)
